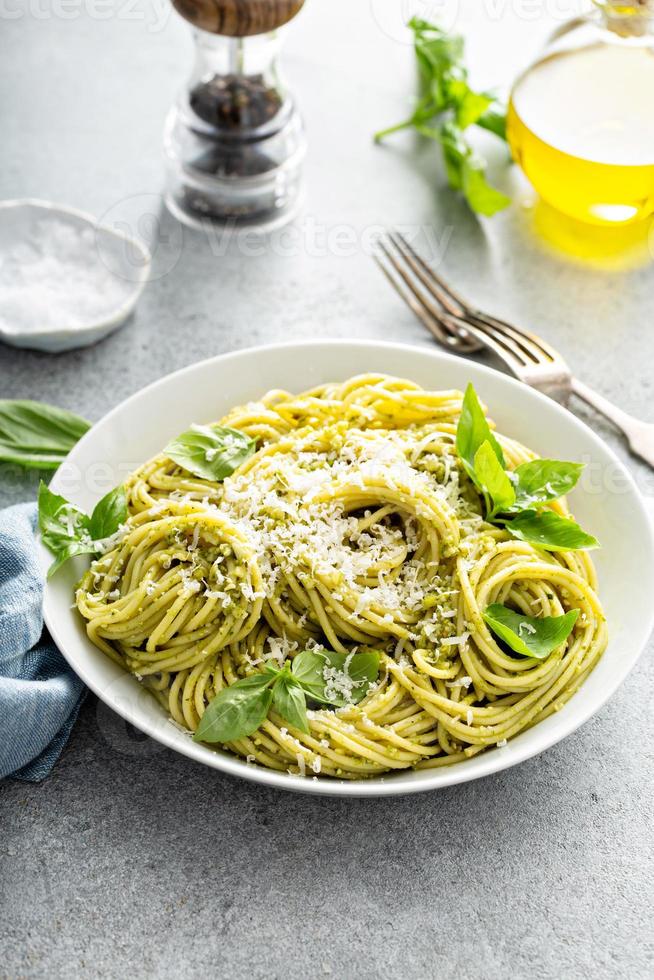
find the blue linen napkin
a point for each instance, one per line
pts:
(39, 693)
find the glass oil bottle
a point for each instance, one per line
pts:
(581, 123)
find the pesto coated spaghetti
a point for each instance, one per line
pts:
(353, 526)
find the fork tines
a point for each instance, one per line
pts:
(437, 306)
(459, 326)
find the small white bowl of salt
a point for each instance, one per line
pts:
(65, 280)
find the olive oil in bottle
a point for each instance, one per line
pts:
(581, 122)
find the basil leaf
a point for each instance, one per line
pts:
(64, 528)
(237, 710)
(335, 678)
(108, 514)
(290, 702)
(212, 452)
(470, 106)
(482, 197)
(549, 531)
(530, 636)
(493, 480)
(466, 171)
(472, 431)
(541, 480)
(67, 531)
(35, 434)
(494, 120)
(58, 518)
(438, 52)
(69, 550)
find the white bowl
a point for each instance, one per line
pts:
(607, 503)
(124, 257)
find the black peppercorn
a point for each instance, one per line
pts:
(235, 102)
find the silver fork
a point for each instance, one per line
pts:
(463, 329)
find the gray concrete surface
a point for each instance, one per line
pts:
(132, 862)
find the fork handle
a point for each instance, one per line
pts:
(640, 435)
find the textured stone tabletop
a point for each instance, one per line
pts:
(130, 861)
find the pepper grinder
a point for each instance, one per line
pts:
(234, 140)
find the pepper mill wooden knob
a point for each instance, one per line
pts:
(238, 18)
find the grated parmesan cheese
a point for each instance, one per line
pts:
(460, 682)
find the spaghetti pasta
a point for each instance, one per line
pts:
(353, 526)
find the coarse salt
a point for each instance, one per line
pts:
(56, 279)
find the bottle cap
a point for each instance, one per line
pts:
(628, 18)
(238, 18)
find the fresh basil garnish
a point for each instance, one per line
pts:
(67, 531)
(108, 514)
(542, 480)
(290, 701)
(37, 435)
(237, 710)
(549, 531)
(511, 497)
(336, 678)
(472, 432)
(212, 452)
(530, 636)
(493, 480)
(332, 678)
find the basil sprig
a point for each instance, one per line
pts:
(530, 636)
(515, 499)
(67, 531)
(447, 108)
(37, 435)
(212, 452)
(319, 675)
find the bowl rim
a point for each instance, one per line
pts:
(486, 764)
(120, 314)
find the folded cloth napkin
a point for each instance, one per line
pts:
(39, 693)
